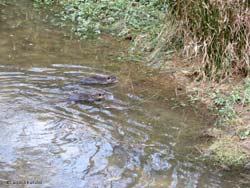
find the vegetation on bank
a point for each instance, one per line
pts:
(213, 33)
(212, 39)
(217, 32)
(230, 135)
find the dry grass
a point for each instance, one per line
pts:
(216, 32)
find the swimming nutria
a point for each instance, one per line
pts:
(86, 97)
(99, 79)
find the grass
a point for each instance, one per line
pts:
(214, 34)
(229, 148)
(93, 17)
(142, 22)
(230, 143)
(227, 104)
(230, 100)
(232, 155)
(217, 33)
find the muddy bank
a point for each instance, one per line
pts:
(227, 102)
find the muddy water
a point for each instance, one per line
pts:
(132, 139)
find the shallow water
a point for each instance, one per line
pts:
(132, 139)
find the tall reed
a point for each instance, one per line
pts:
(217, 31)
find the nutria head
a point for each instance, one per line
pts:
(99, 79)
(111, 79)
(87, 97)
(99, 96)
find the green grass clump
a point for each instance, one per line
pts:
(91, 17)
(47, 2)
(226, 104)
(143, 22)
(227, 152)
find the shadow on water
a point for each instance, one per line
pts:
(133, 139)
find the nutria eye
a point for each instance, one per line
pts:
(108, 78)
(100, 94)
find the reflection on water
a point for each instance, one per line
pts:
(129, 140)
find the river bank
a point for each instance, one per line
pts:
(154, 39)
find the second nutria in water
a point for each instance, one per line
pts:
(99, 79)
(86, 97)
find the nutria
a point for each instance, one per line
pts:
(99, 79)
(86, 97)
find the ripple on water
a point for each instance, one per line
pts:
(108, 142)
